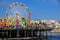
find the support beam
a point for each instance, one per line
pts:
(28, 19)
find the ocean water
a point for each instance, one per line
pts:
(48, 38)
(53, 36)
(57, 37)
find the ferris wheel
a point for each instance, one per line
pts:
(17, 10)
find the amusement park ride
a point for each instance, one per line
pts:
(17, 25)
(16, 21)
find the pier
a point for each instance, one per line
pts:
(24, 34)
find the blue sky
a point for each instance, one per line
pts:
(39, 9)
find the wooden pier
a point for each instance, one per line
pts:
(23, 33)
